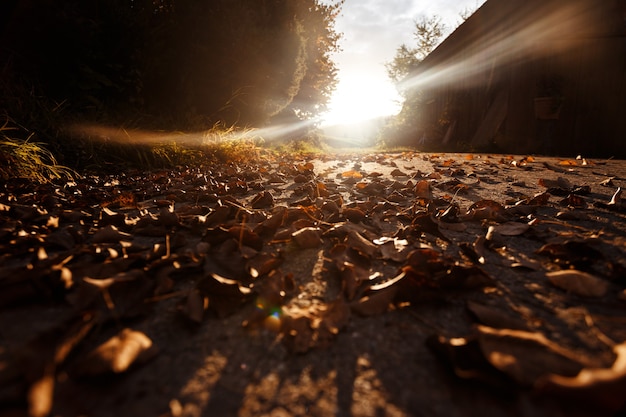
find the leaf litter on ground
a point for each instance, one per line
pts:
(216, 240)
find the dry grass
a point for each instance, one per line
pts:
(25, 158)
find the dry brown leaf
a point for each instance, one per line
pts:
(167, 217)
(607, 182)
(397, 173)
(616, 199)
(553, 167)
(573, 200)
(540, 199)
(393, 249)
(245, 236)
(480, 249)
(354, 214)
(352, 174)
(511, 228)
(548, 183)
(602, 388)
(496, 317)
(110, 234)
(486, 210)
(194, 306)
(308, 237)
(356, 241)
(375, 302)
(454, 226)
(564, 183)
(332, 319)
(423, 190)
(262, 264)
(578, 282)
(262, 200)
(40, 395)
(352, 277)
(526, 356)
(571, 215)
(297, 334)
(118, 354)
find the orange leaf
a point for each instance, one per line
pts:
(351, 174)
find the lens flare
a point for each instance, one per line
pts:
(272, 312)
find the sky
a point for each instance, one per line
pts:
(372, 31)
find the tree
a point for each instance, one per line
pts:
(407, 126)
(178, 63)
(428, 34)
(237, 62)
(322, 41)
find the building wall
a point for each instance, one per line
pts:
(488, 72)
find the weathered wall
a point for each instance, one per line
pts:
(490, 70)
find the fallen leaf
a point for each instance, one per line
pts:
(375, 302)
(40, 395)
(352, 278)
(333, 318)
(496, 317)
(454, 226)
(167, 217)
(607, 182)
(354, 214)
(194, 306)
(571, 215)
(262, 200)
(308, 237)
(246, 236)
(110, 234)
(297, 334)
(511, 228)
(578, 282)
(616, 199)
(465, 359)
(540, 199)
(572, 254)
(40, 360)
(393, 249)
(523, 356)
(573, 200)
(598, 388)
(352, 174)
(356, 241)
(486, 210)
(117, 354)
(423, 190)
(553, 167)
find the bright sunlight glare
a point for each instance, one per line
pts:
(361, 98)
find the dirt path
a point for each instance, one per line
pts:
(349, 285)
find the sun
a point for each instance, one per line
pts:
(361, 98)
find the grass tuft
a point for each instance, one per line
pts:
(24, 158)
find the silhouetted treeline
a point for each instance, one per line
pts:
(170, 63)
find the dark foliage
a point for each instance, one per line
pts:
(172, 64)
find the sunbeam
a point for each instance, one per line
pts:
(525, 39)
(111, 134)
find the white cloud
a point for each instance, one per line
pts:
(373, 30)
